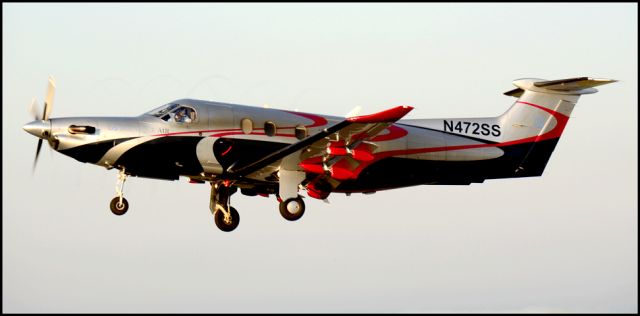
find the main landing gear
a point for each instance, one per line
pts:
(225, 216)
(119, 204)
(292, 209)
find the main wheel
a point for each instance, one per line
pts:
(292, 209)
(117, 207)
(227, 226)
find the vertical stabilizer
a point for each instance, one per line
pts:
(540, 115)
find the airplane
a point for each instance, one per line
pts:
(266, 151)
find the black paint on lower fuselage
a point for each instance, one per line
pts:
(170, 157)
(241, 152)
(92, 152)
(163, 158)
(522, 160)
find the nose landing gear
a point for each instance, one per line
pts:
(119, 205)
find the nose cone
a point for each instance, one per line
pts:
(38, 128)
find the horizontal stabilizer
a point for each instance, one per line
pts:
(517, 92)
(576, 86)
(572, 84)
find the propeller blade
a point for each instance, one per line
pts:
(33, 109)
(37, 154)
(48, 101)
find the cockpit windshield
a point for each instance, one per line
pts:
(160, 111)
(174, 112)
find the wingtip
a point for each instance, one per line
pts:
(389, 115)
(603, 79)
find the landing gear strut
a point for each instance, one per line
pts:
(119, 204)
(225, 216)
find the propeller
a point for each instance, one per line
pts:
(39, 126)
(33, 109)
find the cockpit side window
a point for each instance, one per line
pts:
(174, 112)
(184, 114)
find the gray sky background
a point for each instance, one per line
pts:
(566, 241)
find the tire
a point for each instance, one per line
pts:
(119, 209)
(287, 213)
(235, 220)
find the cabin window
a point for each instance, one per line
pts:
(301, 132)
(246, 125)
(269, 128)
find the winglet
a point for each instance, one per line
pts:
(390, 115)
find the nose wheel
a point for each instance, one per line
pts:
(119, 207)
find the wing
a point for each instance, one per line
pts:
(337, 150)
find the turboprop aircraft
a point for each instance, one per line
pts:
(264, 151)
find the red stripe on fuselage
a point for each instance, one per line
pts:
(561, 122)
(199, 131)
(395, 132)
(317, 121)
